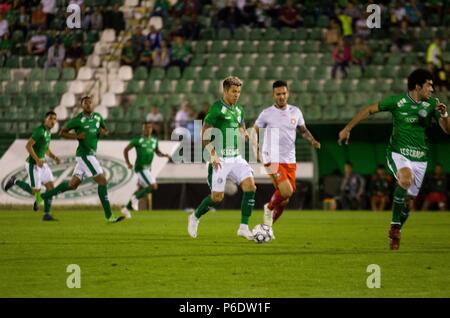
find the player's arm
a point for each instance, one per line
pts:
(104, 131)
(208, 145)
(306, 134)
(65, 133)
(29, 147)
(125, 155)
(53, 156)
(363, 114)
(162, 154)
(444, 121)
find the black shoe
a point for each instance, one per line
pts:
(120, 218)
(10, 183)
(35, 206)
(48, 217)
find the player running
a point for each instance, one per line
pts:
(39, 172)
(281, 119)
(146, 146)
(407, 152)
(88, 127)
(226, 117)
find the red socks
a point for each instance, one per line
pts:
(275, 200)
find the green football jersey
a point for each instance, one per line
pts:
(90, 125)
(145, 151)
(410, 120)
(41, 135)
(227, 119)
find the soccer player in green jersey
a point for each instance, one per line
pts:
(39, 172)
(225, 118)
(146, 146)
(88, 127)
(407, 153)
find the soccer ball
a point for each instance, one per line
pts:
(262, 233)
(230, 188)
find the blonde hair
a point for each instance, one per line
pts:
(231, 81)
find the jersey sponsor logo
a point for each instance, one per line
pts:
(411, 120)
(293, 121)
(425, 104)
(223, 110)
(423, 113)
(414, 153)
(115, 170)
(404, 114)
(401, 102)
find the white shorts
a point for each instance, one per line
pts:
(145, 178)
(38, 176)
(234, 168)
(87, 166)
(396, 161)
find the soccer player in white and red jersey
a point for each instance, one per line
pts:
(281, 121)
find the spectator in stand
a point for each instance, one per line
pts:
(23, 22)
(341, 58)
(183, 116)
(97, 19)
(346, 24)
(379, 189)
(138, 39)
(86, 17)
(38, 43)
(437, 190)
(333, 33)
(414, 13)
(361, 54)
(435, 61)
(74, 55)
(352, 11)
(161, 55)
(403, 38)
(191, 28)
(4, 28)
(398, 13)
(262, 18)
(161, 8)
(145, 57)
(113, 18)
(230, 17)
(49, 8)
(129, 55)
(154, 37)
(38, 18)
(202, 114)
(362, 30)
(55, 55)
(352, 189)
(289, 16)
(156, 118)
(181, 53)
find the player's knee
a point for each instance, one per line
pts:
(217, 197)
(405, 182)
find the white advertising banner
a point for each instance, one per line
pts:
(122, 182)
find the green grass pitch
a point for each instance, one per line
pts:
(315, 254)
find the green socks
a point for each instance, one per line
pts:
(24, 186)
(139, 194)
(248, 202)
(404, 215)
(398, 205)
(103, 195)
(62, 187)
(47, 205)
(204, 207)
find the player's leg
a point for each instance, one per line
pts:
(426, 203)
(78, 174)
(418, 170)
(147, 184)
(47, 180)
(248, 202)
(216, 181)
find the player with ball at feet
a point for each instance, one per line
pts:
(278, 154)
(225, 121)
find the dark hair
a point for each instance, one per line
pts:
(279, 83)
(349, 163)
(49, 113)
(380, 166)
(85, 97)
(418, 77)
